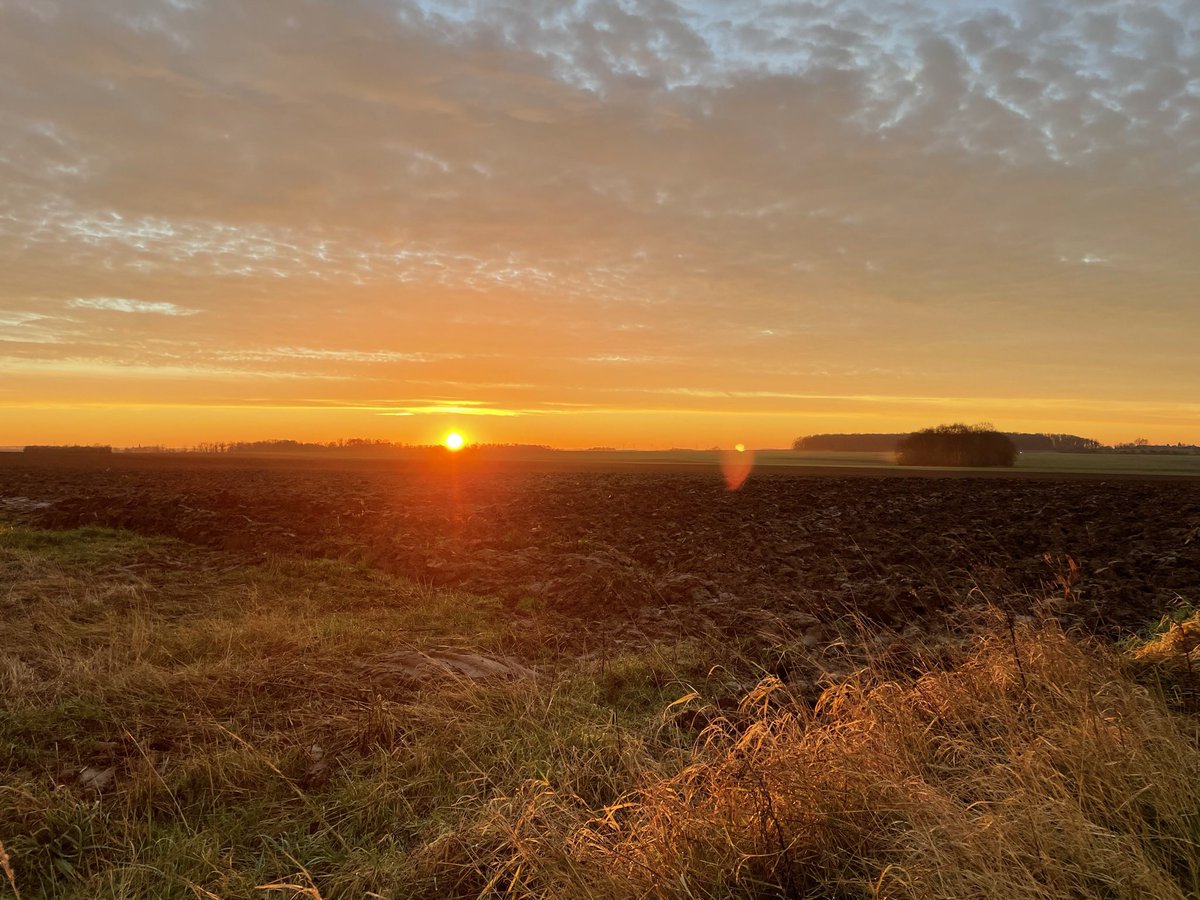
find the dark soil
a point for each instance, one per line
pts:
(662, 551)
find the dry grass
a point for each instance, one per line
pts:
(1035, 768)
(246, 751)
(1175, 644)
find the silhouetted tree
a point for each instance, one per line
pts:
(956, 445)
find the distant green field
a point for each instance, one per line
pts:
(1110, 463)
(1092, 463)
(1065, 463)
(600, 460)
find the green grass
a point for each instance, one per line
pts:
(1041, 463)
(1111, 463)
(205, 685)
(252, 752)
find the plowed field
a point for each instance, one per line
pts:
(665, 551)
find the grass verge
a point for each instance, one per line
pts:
(175, 724)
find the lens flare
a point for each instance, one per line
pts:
(454, 441)
(736, 464)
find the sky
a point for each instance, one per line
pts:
(597, 223)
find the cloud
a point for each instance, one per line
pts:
(17, 319)
(321, 354)
(459, 409)
(124, 305)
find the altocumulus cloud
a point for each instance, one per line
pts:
(660, 184)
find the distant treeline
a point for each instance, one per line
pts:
(887, 443)
(68, 450)
(289, 446)
(849, 443)
(357, 447)
(1141, 445)
(344, 447)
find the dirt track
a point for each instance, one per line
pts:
(644, 546)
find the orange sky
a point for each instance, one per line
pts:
(643, 225)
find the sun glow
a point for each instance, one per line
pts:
(454, 441)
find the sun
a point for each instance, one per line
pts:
(740, 448)
(454, 441)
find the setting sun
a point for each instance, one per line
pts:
(454, 441)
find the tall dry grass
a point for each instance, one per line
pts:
(1036, 768)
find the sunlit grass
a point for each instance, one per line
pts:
(1033, 768)
(247, 748)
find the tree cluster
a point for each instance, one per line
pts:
(956, 445)
(885, 443)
